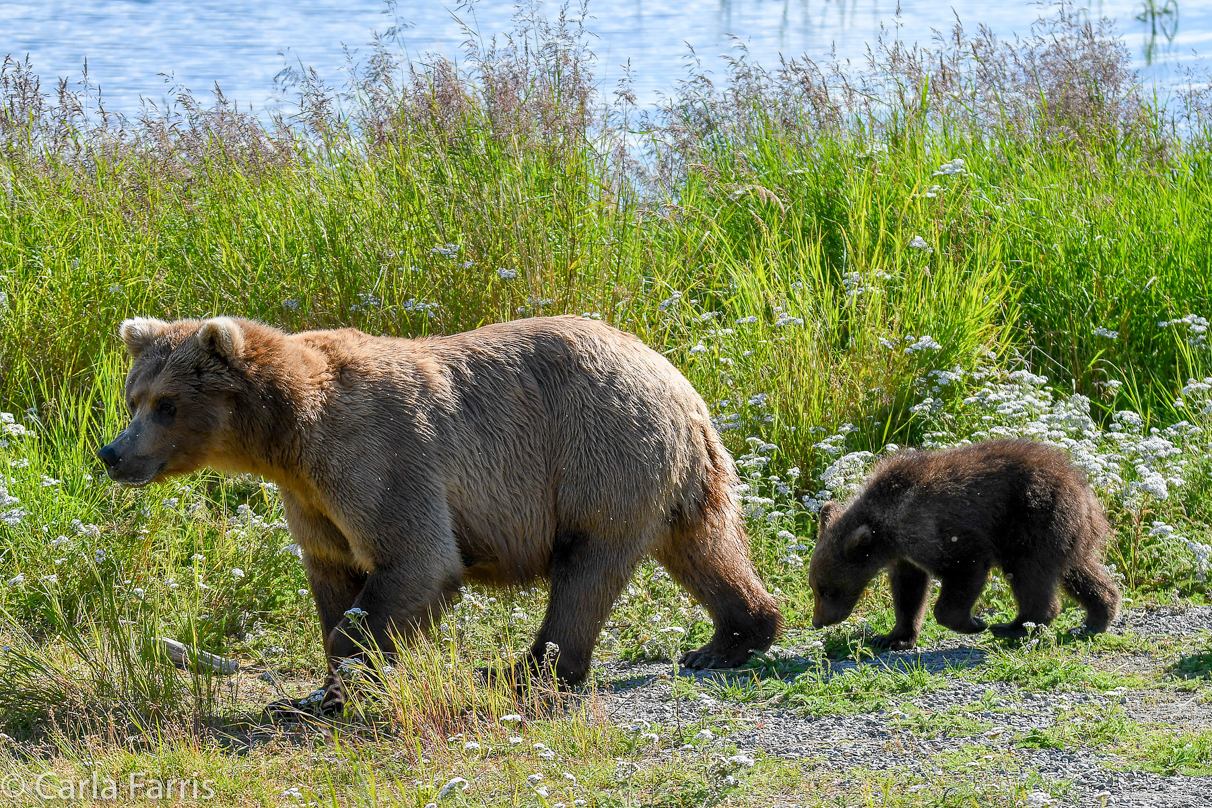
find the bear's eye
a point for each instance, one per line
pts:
(130, 406)
(165, 408)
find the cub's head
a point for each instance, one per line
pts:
(179, 391)
(844, 561)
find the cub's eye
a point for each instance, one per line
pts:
(130, 406)
(165, 408)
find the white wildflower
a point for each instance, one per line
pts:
(950, 167)
(452, 785)
(923, 343)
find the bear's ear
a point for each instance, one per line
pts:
(828, 511)
(222, 336)
(858, 543)
(139, 333)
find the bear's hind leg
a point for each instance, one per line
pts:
(587, 576)
(956, 598)
(1035, 593)
(716, 570)
(910, 585)
(1092, 587)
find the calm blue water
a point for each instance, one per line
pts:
(137, 49)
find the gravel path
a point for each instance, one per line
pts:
(996, 715)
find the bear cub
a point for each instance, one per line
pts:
(953, 515)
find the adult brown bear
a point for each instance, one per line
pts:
(553, 447)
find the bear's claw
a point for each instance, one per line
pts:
(322, 703)
(893, 642)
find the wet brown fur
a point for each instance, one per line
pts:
(548, 448)
(953, 515)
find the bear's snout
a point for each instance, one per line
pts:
(124, 463)
(109, 456)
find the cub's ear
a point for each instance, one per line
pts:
(828, 511)
(222, 336)
(139, 333)
(859, 542)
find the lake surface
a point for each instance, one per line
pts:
(139, 49)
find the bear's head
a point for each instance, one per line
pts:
(179, 391)
(844, 561)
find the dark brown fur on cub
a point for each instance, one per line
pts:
(554, 448)
(952, 515)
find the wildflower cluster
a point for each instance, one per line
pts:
(950, 167)
(1196, 328)
(768, 498)
(912, 344)
(1201, 552)
(10, 514)
(247, 522)
(1125, 461)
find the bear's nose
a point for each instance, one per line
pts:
(109, 455)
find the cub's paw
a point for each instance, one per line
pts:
(893, 641)
(1087, 630)
(709, 658)
(1009, 631)
(973, 625)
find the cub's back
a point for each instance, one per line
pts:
(1004, 495)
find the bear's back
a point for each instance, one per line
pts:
(528, 429)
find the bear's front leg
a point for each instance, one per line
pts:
(395, 602)
(910, 585)
(335, 583)
(956, 598)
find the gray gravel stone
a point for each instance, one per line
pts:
(642, 695)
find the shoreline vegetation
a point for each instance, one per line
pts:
(977, 239)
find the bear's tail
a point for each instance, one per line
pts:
(707, 552)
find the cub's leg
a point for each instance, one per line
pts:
(1090, 585)
(1035, 592)
(910, 585)
(587, 575)
(956, 598)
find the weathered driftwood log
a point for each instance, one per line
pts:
(188, 659)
